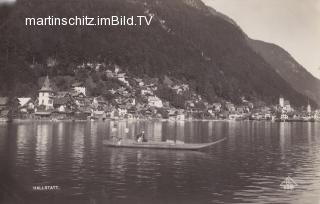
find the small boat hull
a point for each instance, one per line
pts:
(160, 145)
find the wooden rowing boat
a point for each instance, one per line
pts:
(160, 145)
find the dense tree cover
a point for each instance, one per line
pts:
(210, 53)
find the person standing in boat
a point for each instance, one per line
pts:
(141, 137)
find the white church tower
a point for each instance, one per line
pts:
(281, 101)
(46, 95)
(309, 108)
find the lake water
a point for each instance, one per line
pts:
(246, 168)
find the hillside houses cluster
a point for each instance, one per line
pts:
(137, 98)
(4, 108)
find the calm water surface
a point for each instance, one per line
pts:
(246, 168)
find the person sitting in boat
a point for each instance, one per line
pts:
(140, 139)
(119, 141)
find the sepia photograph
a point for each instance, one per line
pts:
(159, 101)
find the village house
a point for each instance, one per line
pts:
(268, 116)
(257, 116)
(154, 101)
(284, 117)
(99, 103)
(79, 88)
(146, 92)
(241, 109)
(62, 94)
(284, 105)
(81, 100)
(176, 114)
(109, 73)
(189, 104)
(179, 89)
(317, 115)
(4, 103)
(98, 115)
(139, 81)
(64, 104)
(180, 115)
(230, 107)
(26, 106)
(4, 108)
(287, 107)
(235, 116)
(122, 77)
(217, 107)
(122, 110)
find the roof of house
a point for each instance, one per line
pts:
(4, 101)
(62, 93)
(77, 94)
(84, 109)
(23, 101)
(60, 101)
(76, 84)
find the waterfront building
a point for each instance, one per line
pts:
(46, 95)
(317, 115)
(4, 102)
(25, 104)
(4, 108)
(154, 101)
(284, 117)
(79, 88)
(230, 107)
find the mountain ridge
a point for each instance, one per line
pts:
(311, 87)
(182, 39)
(288, 68)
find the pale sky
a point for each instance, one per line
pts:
(292, 24)
(7, 1)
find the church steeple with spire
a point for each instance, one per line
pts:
(46, 87)
(46, 94)
(309, 107)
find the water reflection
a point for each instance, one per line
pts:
(157, 130)
(247, 168)
(77, 145)
(285, 136)
(43, 144)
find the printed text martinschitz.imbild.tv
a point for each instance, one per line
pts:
(90, 21)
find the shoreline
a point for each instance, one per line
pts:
(145, 119)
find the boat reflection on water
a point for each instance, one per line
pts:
(145, 167)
